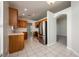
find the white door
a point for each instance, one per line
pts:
(1, 28)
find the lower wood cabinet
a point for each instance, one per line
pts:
(25, 35)
(16, 43)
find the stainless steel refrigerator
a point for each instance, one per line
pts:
(43, 32)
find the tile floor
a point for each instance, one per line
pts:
(35, 49)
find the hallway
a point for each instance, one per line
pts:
(35, 49)
(62, 40)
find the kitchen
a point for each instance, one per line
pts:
(17, 31)
(15, 44)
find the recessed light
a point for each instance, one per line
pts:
(25, 9)
(51, 2)
(23, 14)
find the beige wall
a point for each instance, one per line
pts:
(75, 26)
(51, 28)
(5, 25)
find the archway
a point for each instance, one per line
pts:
(62, 29)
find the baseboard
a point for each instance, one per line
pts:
(51, 44)
(73, 51)
(62, 35)
(5, 54)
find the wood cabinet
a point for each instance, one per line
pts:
(25, 35)
(16, 43)
(37, 24)
(13, 16)
(22, 24)
(42, 32)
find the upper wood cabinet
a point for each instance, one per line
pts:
(13, 16)
(37, 24)
(22, 24)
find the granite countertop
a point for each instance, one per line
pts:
(16, 34)
(18, 31)
(21, 30)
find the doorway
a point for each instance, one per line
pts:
(29, 30)
(62, 29)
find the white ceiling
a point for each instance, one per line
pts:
(38, 9)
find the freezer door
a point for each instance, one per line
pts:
(44, 39)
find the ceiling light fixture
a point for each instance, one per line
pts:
(23, 14)
(50, 2)
(25, 9)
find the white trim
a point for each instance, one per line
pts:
(66, 11)
(73, 51)
(5, 54)
(51, 44)
(1, 28)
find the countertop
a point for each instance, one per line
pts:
(16, 34)
(21, 30)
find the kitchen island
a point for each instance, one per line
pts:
(16, 42)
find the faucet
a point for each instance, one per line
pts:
(13, 29)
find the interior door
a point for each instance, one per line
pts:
(1, 28)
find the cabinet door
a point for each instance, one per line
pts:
(12, 44)
(37, 24)
(20, 42)
(25, 35)
(13, 15)
(16, 43)
(22, 24)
